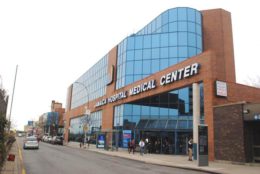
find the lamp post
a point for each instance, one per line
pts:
(87, 111)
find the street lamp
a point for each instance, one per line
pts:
(87, 111)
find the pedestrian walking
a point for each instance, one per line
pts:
(190, 146)
(132, 146)
(129, 146)
(146, 146)
(141, 144)
(88, 141)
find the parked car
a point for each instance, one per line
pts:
(30, 143)
(57, 140)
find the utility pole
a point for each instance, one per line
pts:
(9, 120)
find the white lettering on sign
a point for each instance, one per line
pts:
(142, 87)
(171, 77)
(180, 74)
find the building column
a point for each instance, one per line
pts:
(196, 116)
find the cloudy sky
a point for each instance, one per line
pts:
(55, 41)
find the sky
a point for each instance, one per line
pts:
(54, 42)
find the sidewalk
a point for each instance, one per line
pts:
(12, 167)
(178, 161)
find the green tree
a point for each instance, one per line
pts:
(3, 124)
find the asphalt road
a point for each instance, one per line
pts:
(54, 159)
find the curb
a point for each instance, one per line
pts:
(153, 163)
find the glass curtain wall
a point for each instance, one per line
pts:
(77, 126)
(172, 37)
(91, 85)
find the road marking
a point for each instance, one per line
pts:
(21, 158)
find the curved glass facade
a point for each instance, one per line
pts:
(91, 85)
(172, 37)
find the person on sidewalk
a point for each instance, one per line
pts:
(141, 144)
(147, 146)
(132, 146)
(129, 146)
(190, 146)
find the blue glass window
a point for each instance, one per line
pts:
(147, 54)
(154, 111)
(173, 15)
(198, 17)
(182, 14)
(136, 110)
(129, 79)
(130, 43)
(192, 51)
(147, 67)
(145, 110)
(173, 27)
(137, 77)
(184, 95)
(182, 38)
(164, 52)
(183, 52)
(138, 55)
(191, 27)
(191, 15)
(165, 18)
(155, 66)
(173, 61)
(192, 39)
(164, 40)
(173, 51)
(155, 40)
(138, 67)
(155, 53)
(128, 109)
(173, 38)
(130, 55)
(129, 67)
(182, 26)
(138, 42)
(198, 29)
(165, 28)
(164, 63)
(164, 111)
(147, 41)
(173, 112)
(158, 22)
(199, 42)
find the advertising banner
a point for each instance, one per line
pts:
(126, 137)
(101, 141)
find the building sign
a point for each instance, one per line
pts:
(166, 79)
(221, 89)
(180, 74)
(146, 86)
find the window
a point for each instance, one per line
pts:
(164, 40)
(129, 67)
(155, 40)
(173, 38)
(147, 41)
(130, 43)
